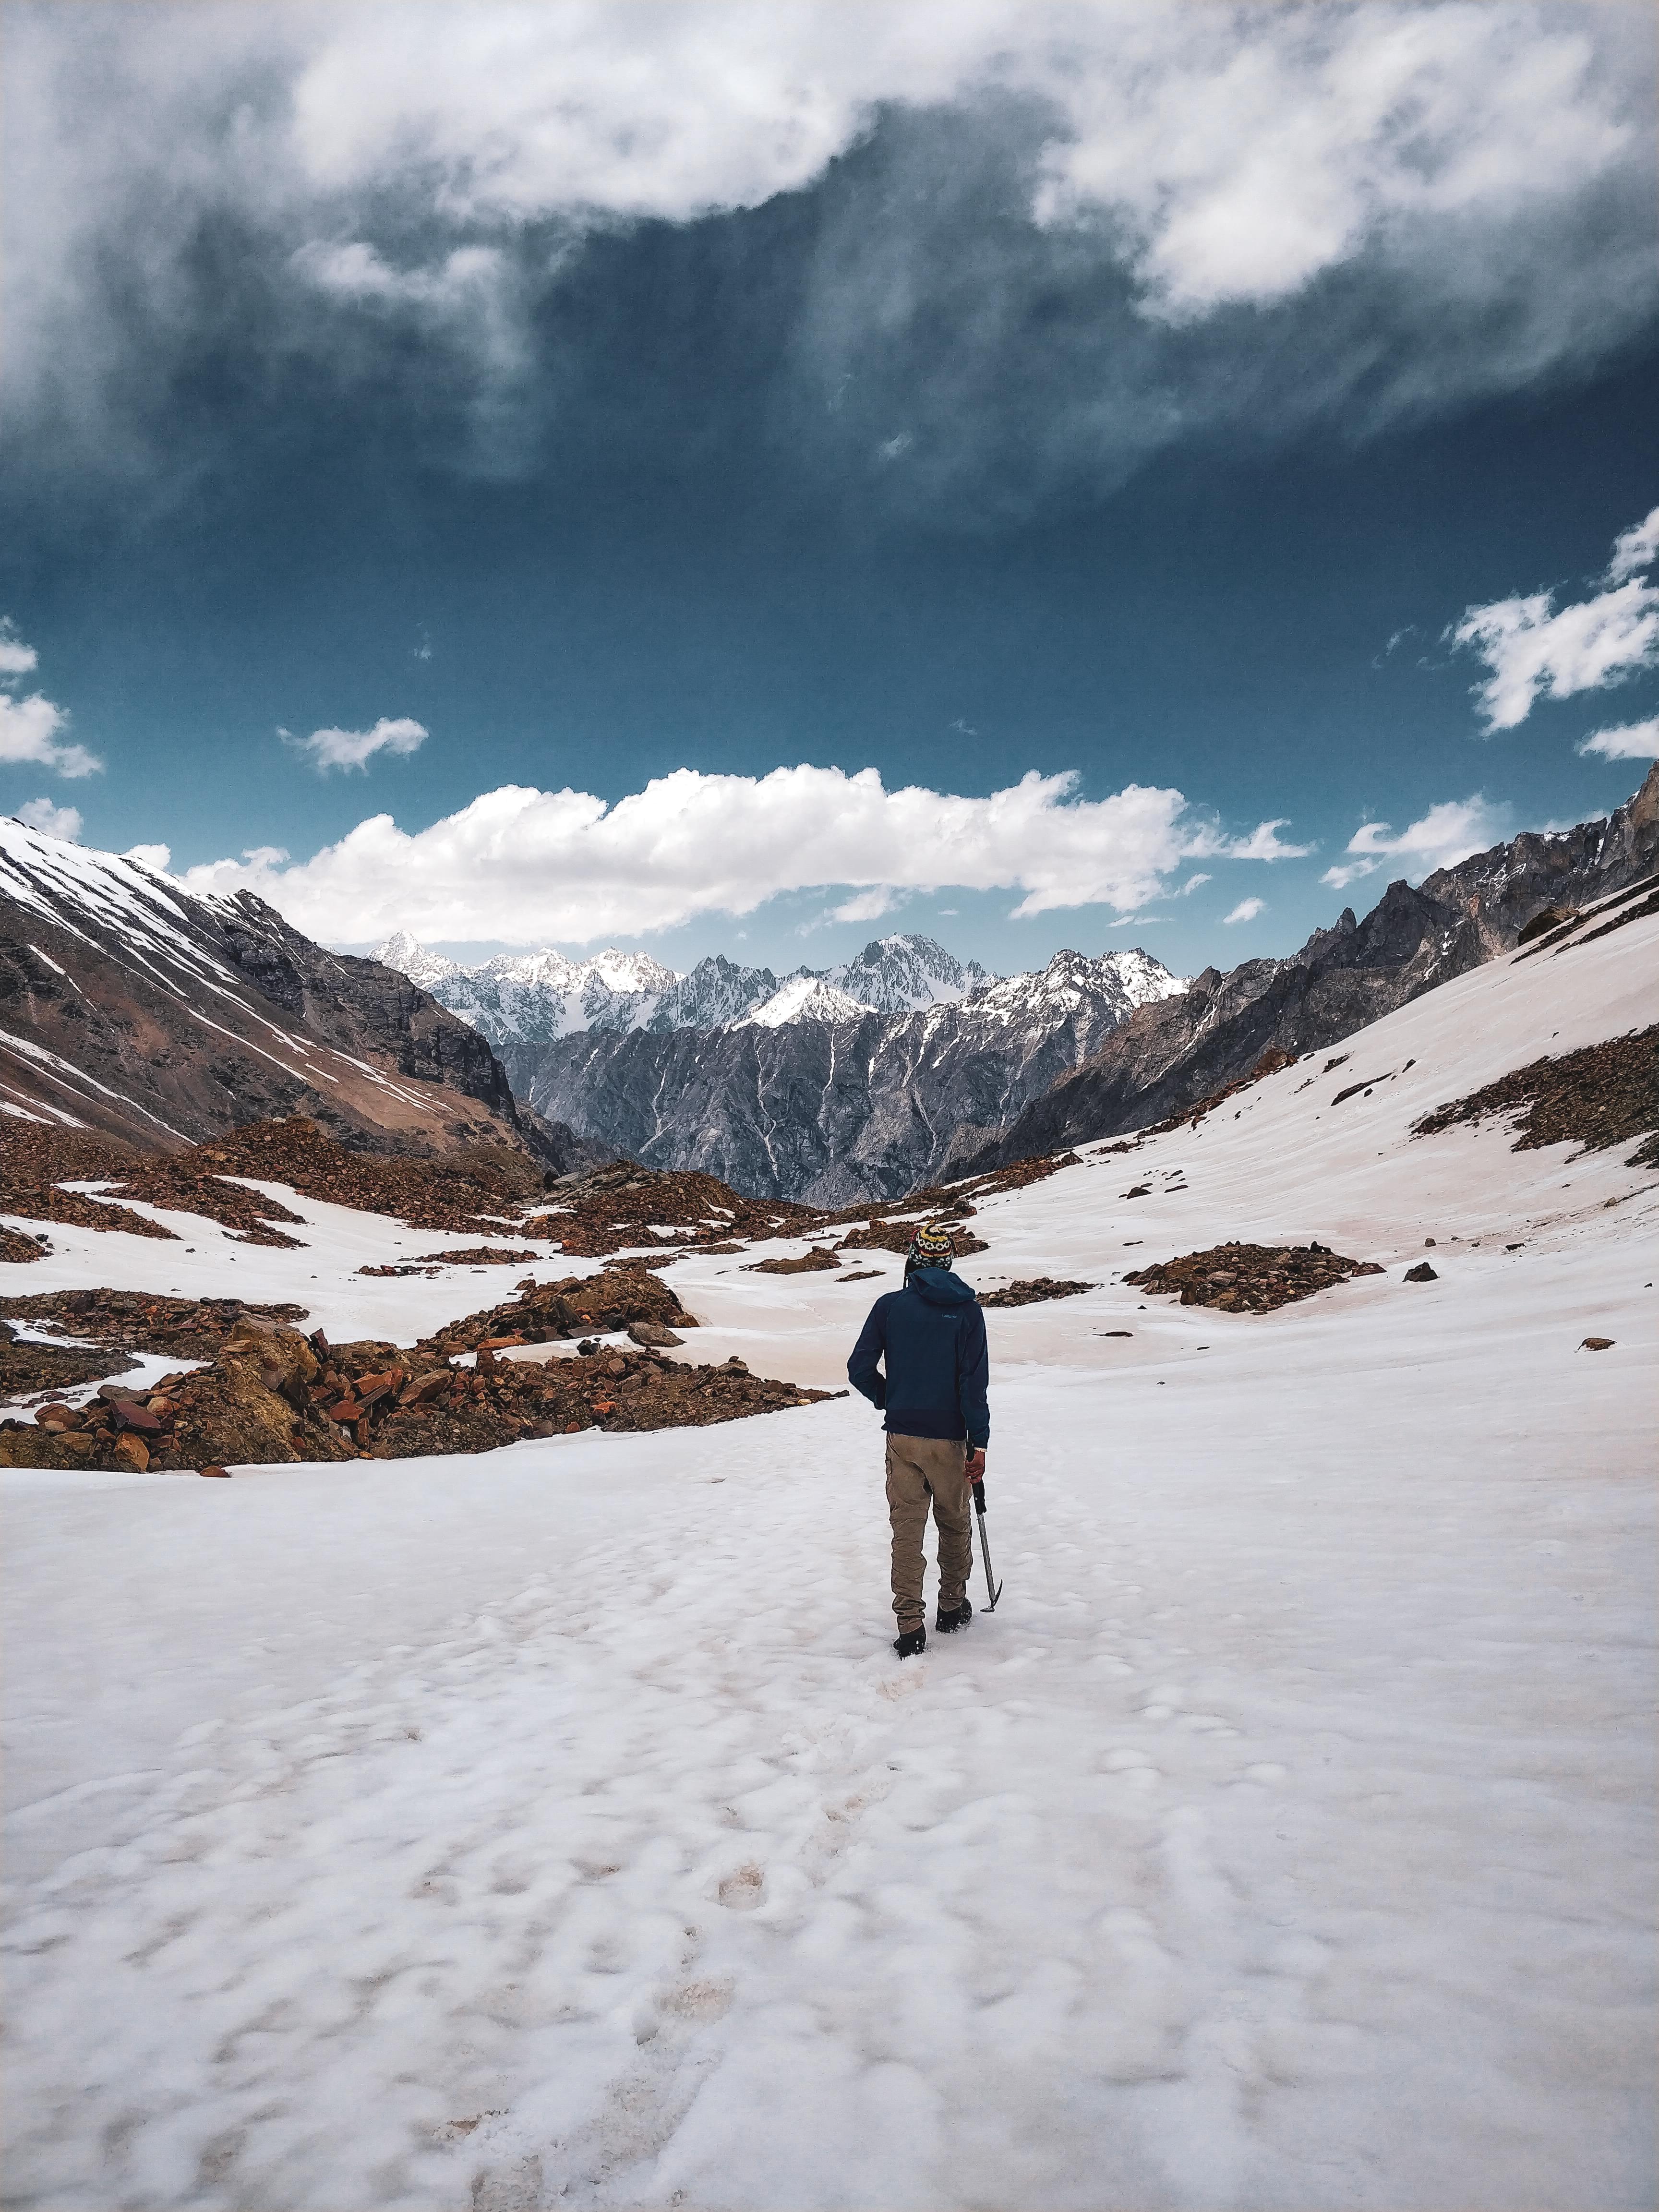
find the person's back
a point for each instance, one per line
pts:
(931, 1338)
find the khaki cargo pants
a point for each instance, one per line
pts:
(923, 1471)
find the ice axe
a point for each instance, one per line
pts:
(993, 1589)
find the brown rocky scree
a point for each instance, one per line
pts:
(274, 1396)
(817, 1258)
(478, 1188)
(27, 1368)
(467, 1255)
(138, 1321)
(1035, 1291)
(617, 1298)
(895, 1236)
(1600, 1097)
(1249, 1278)
(601, 1212)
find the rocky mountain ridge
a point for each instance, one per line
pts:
(1168, 1056)
(835, 1111)
(533, 997)
(134, 1010)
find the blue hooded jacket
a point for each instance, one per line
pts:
(932, 1334)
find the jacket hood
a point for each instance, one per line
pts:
(940, 1287)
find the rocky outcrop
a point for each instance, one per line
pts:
(132, 1010)
(1168, 1056)
(831, 1113)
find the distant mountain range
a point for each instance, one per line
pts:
(788, 1091)
(533, 997)
(131, 1008)
(861, 1104)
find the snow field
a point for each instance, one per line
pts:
(1247, 1855)
(557, 1828)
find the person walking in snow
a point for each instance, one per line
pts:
(931, 1336)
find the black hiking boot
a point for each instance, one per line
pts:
(911, 1641)
(958, 1617)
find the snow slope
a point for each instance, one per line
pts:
(545, 1829)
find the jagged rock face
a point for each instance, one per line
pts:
(131, 1008)
(901, 974)
(1170, 1055)
(536, 996)
(831, 1112)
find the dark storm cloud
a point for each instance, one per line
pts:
(984, 301)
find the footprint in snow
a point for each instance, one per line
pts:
(743, 1891)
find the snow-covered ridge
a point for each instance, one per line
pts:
(534, 997)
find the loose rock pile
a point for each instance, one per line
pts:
(33, 1163)
(895, 1236)
(1249, 1278)
(1035, 1291)
(250, 1406)
(195, 1329)
(274, 1396)
(804, 1263)
(26, 1368)
(1602, 1096)
(552, 1313)
(618, 1205)
(469, 1256)
(475, 1190)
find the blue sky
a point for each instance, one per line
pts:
(411, 407)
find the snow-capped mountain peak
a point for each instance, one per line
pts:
(1124, 980)
(901, 974)
(427, 970)
(806, 998)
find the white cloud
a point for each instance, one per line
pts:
(55, 821)
(31, 729)
(1635, 548)
(1192, 883)
(522, 866)
(868, 906)
(1263, 843)
(16, 659)
(1631, 741)
(1534, 651)
(159, 857)
(1245, 910)
(356, 748)
(1446, 833)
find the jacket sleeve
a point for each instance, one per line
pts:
(862, 1372)
(972, 1377)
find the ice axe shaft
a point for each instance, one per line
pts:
(993, 1588)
